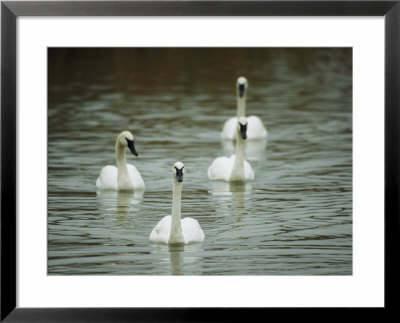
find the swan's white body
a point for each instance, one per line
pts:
(234, 168)
(172, 229)
(221, 169)
(108, 179)
(256, 130)
(191, 230)
(124, 176)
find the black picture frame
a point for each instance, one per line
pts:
(11, 10)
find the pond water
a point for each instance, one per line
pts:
(295, 218)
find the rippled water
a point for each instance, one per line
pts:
(294, 219)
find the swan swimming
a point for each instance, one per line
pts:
(171, 229)
(234, 168)
(124, 177)
(256, 127)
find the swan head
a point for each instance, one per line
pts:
(242, 85)
(178, 171)
(242, 127)
(125, 139)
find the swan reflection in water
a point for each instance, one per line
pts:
(177, 256)
(223, 191)
(119, 203)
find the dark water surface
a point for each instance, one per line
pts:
(294, 219)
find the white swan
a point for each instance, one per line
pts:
(124, 177)
(171, 229)
(235, 168)
(256, 127)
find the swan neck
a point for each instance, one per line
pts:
(176, 235)
(241, 106)
(123, 176)
(238, 165)
(120, 154)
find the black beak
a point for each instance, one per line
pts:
(179, 175)
(131, 146)
(241, 90)
(243, 131)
